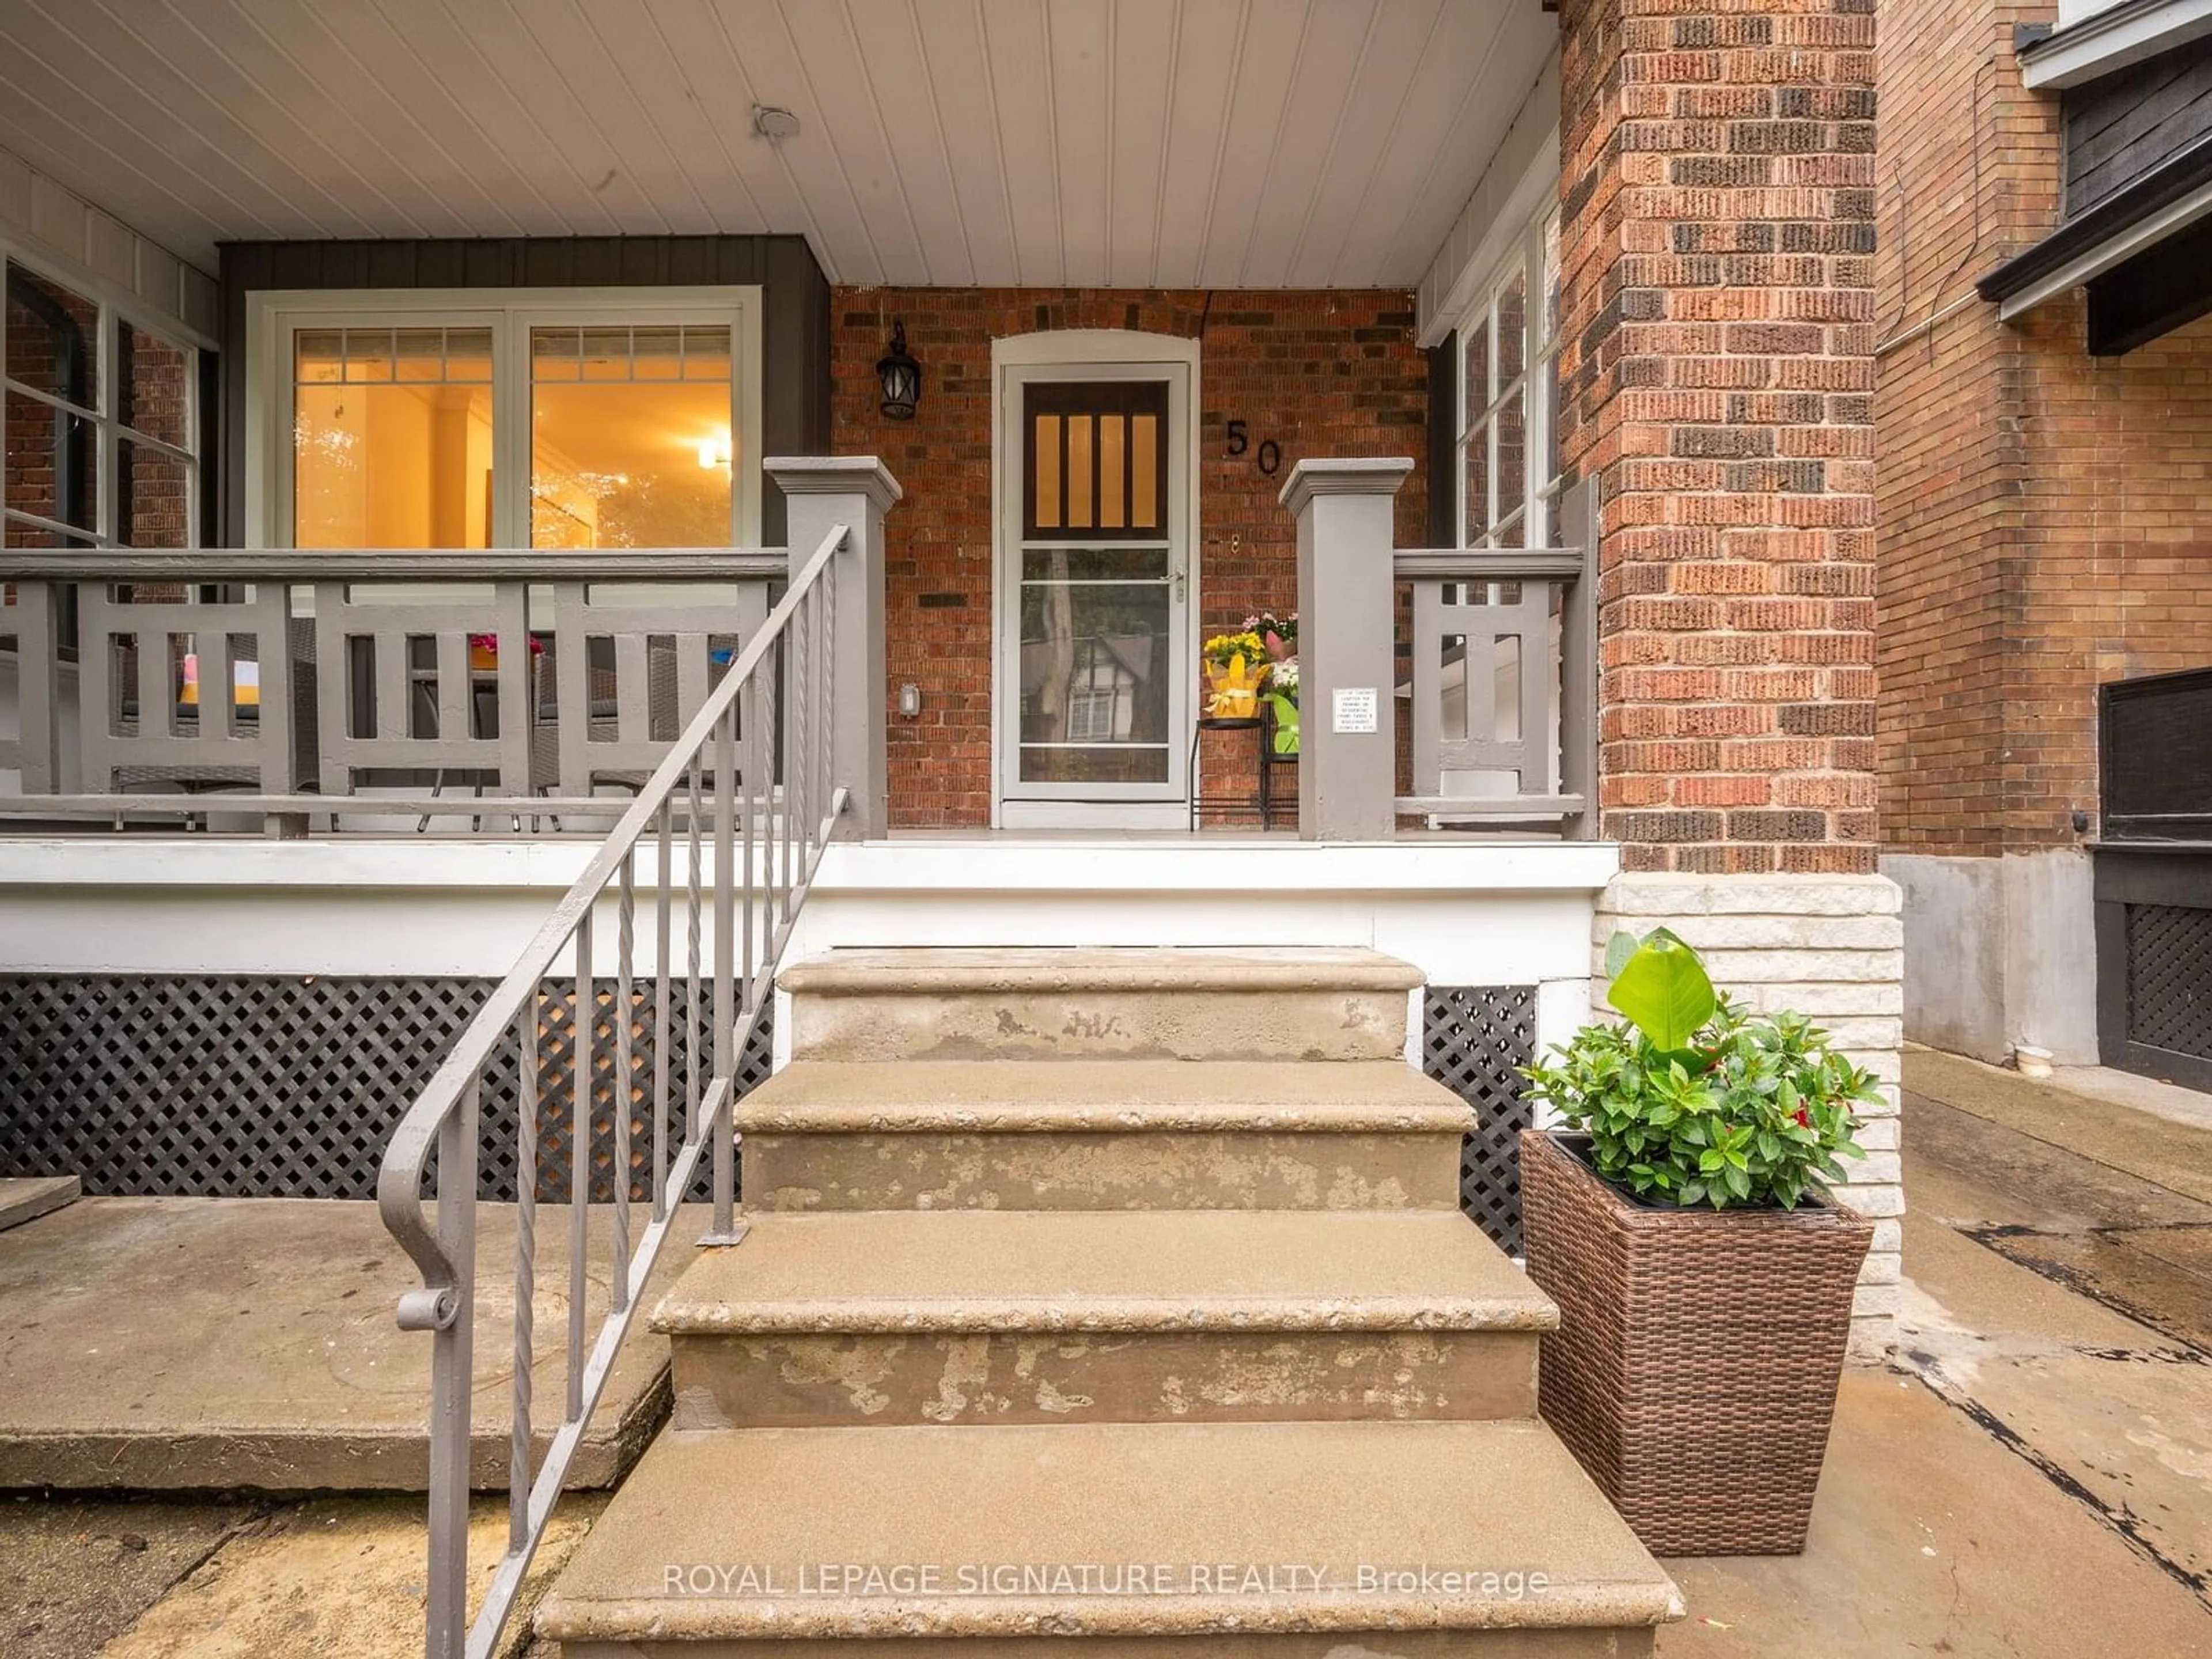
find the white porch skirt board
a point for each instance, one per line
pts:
(1466, 912)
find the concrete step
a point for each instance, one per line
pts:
(1273, 1538)
(1113, 1134)
(26, 1198)
(1167, 1003)
(1013, 1316)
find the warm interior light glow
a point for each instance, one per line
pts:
(714, 452)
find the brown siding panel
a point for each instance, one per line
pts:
(2121, 126)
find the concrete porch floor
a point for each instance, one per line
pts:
(169, 1343)
(2032, 1478)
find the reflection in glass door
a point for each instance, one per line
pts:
(1098, 579)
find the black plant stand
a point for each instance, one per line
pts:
(1200, 803)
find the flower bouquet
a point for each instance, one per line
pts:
(1236, 668)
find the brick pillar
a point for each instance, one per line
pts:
(1716, 377)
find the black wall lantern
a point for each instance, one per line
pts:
(901, 377)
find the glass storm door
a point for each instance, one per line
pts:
(1095, 668)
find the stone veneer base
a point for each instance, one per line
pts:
(1830, 946)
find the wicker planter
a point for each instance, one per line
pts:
(1695, 1366)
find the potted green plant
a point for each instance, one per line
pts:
(1282, 700)
(1680, 1219)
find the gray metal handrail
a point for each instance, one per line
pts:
(753, 774)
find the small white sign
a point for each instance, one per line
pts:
(1355, 709)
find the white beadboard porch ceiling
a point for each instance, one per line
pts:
(1222, 144)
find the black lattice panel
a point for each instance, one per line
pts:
(1472, 1039)
(2170, 978)
(255, 1087)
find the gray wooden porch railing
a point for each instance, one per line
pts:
(363, 666)
(1500, 674)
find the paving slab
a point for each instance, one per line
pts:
(1960, 1297)
(2115, 1416)
(1931, 1537)
(170, 1343)
(26, 1198)
(2145, 1094)
(2162, 1148)
(2161, 1276)
(2021, 1179)
(336, 1576)
(76, 1572)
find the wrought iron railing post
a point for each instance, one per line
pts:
(724, 1229)
(451, 1369)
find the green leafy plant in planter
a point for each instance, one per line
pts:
(1694, 1102)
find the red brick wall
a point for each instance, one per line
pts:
(2044, 513)
(1322, 374)
(1717, 194)
(155, 381)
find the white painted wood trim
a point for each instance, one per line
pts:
(1072, 346)
(2111, 40)
(1466, 912)
(952, 862)
(1535, 191)
(2111, 251)
(164, 294)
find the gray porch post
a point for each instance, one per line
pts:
(36, 751)
(1347, 635)
(853, 490)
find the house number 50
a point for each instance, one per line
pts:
(1269, 460)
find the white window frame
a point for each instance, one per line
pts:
(275, 317)
(113, 309)
(1535, 503)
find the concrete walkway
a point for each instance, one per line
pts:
(182, 1344)
(2032, 1479)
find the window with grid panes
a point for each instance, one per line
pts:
(1507, 448)
(100, 423)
